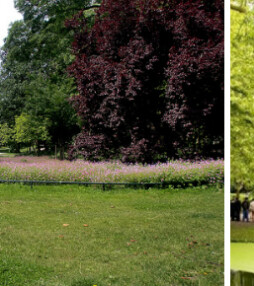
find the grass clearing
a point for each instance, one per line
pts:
(5, 152)
(242, 256)
(242, 246)
(242, 231)
(130, 237)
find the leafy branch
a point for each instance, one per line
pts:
(238, 8)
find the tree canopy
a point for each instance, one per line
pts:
(242, 86)
(33, 76)
(146, 79)
(150, 80)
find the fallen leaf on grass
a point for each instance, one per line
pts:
(187, 278)
(112, 207)
(85, 225)
(65, 224)
(61, 236)
(192, 243)
(131, 241)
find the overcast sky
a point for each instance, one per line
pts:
(8, 14)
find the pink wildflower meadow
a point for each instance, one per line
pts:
(46, 169)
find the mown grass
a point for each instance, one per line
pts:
(242, 231)
(242, 246)
(242, 257)
(5, 152)
(132, 237)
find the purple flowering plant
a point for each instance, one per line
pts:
(46, 169)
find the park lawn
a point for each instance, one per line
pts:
(242, 246)
(5, 152)
(242, 256)
(131, 236)
(242, 231)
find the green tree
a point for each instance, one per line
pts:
(46, 99)
(34, 60)
(14, 73)
(242, 101)
(6, 134)
(30, 130)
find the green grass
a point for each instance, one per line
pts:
(5, 152)
(242, 256)
(4, 149)
(242, 231)
(26, 151)
(242, 246)
(133, 237)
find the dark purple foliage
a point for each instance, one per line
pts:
(150, 80)
(90, 147)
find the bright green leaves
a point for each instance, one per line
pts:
(30, 129)
(242, 97)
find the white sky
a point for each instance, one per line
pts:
(8, 14)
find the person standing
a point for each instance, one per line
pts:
(237, 209)
(252, 209)
(246, 206)
(232, 209)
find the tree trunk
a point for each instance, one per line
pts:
(37, 148)
(61, 152)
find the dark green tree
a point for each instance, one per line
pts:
(34, 58)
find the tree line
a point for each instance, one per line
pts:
(34, 84)
(131, 80)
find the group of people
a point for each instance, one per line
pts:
(246, 207)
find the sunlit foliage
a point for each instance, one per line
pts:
(242, 96)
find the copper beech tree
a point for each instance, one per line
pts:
(150, 80)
